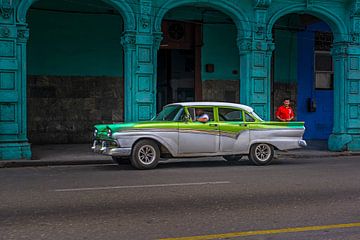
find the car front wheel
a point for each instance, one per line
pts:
(261, 154)
(145, 155)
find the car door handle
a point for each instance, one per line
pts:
(243, 125)
(213, 125)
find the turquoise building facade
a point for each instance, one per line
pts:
(123, 39)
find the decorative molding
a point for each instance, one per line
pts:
(244, 45)
(144, 22)
(158, 37)
(5, 32)
(355, 22)
(247, 45)
(22, 34)
(262, 4)
(128, 40)
(309, 3)
(355, 8)
(145, 6)
(340, 49)
(6, 9)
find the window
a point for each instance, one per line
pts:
(195, 112)
(227, 114)
(170, 113)
(249, 118)
(324, 74)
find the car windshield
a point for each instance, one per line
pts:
(169, 113)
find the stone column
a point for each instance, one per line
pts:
(140, 48)
(255, 82)
(346, 132)
(255, 62)
(13, 39)
(128, 41)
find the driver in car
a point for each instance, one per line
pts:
(201, 116)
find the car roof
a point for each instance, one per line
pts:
(217, 104)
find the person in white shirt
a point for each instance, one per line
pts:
(201, 116)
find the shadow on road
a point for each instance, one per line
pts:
(172, 164)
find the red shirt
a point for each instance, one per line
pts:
(285, 113)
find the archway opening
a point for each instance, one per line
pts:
(302, 70)
(74, 70)
(198, 58)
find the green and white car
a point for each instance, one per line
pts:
(232, 130)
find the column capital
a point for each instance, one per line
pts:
(22, 34)
(340, 49)
(128, 40)
(247, 45)
(158, 37)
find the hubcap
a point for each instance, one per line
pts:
(147, 154)
(263, 152)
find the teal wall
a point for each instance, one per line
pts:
(221, 50)
(73, 44)
(285, 56)
(219, 39)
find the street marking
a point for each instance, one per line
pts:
(140, 186)
(267, 232)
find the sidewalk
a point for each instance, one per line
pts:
(80, 154)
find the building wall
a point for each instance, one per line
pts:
(75, 73)
(220, 49)
(73, 44)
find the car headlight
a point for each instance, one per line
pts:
(109, 132)
(95, 132)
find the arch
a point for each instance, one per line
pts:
(336, 24)
(122, 6)
(238, 16)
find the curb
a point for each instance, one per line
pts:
(327, 155)
(43, 163)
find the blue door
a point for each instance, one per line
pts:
(315, 102)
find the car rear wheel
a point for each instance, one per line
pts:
(232, 158)
(145, 155)
(261, 154)
(121, 160)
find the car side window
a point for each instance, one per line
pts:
(196, 112)
(230, 115)
(249, 118)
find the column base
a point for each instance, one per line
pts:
(354, 145)
(15, 151)
(339, 142)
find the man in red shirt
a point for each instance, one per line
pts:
(285, 113)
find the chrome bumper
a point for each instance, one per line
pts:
(302, 143)
(103, 148)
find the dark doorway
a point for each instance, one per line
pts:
(176, 76)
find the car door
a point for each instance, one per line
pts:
(234, 131)
(197, 137)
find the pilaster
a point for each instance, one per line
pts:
(346, 132)
(255, 63)
(128, 41)
(13, 141)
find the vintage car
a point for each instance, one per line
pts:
(229, 130)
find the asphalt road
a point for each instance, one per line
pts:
(184, 199)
